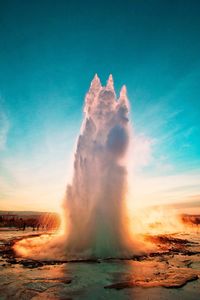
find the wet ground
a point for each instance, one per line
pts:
(172, 272)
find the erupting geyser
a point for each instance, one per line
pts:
(95, 201)
(97, 224)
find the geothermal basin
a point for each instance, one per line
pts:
(98, 255)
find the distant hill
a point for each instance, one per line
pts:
(25, 213)
(34, 219)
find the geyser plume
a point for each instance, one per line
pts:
(95, 201)
(97, 224)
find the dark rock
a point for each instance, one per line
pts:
(12, 261)
(31, 263)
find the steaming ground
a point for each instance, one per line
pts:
(96, 219)
(172, 272)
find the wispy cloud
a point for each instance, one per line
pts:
(160, 190)
(38, 183)
(4, 129)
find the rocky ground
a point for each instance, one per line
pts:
(172, 272)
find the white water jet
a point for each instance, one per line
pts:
(95, 201)
(97, 223)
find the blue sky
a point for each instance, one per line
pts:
(50, 51)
